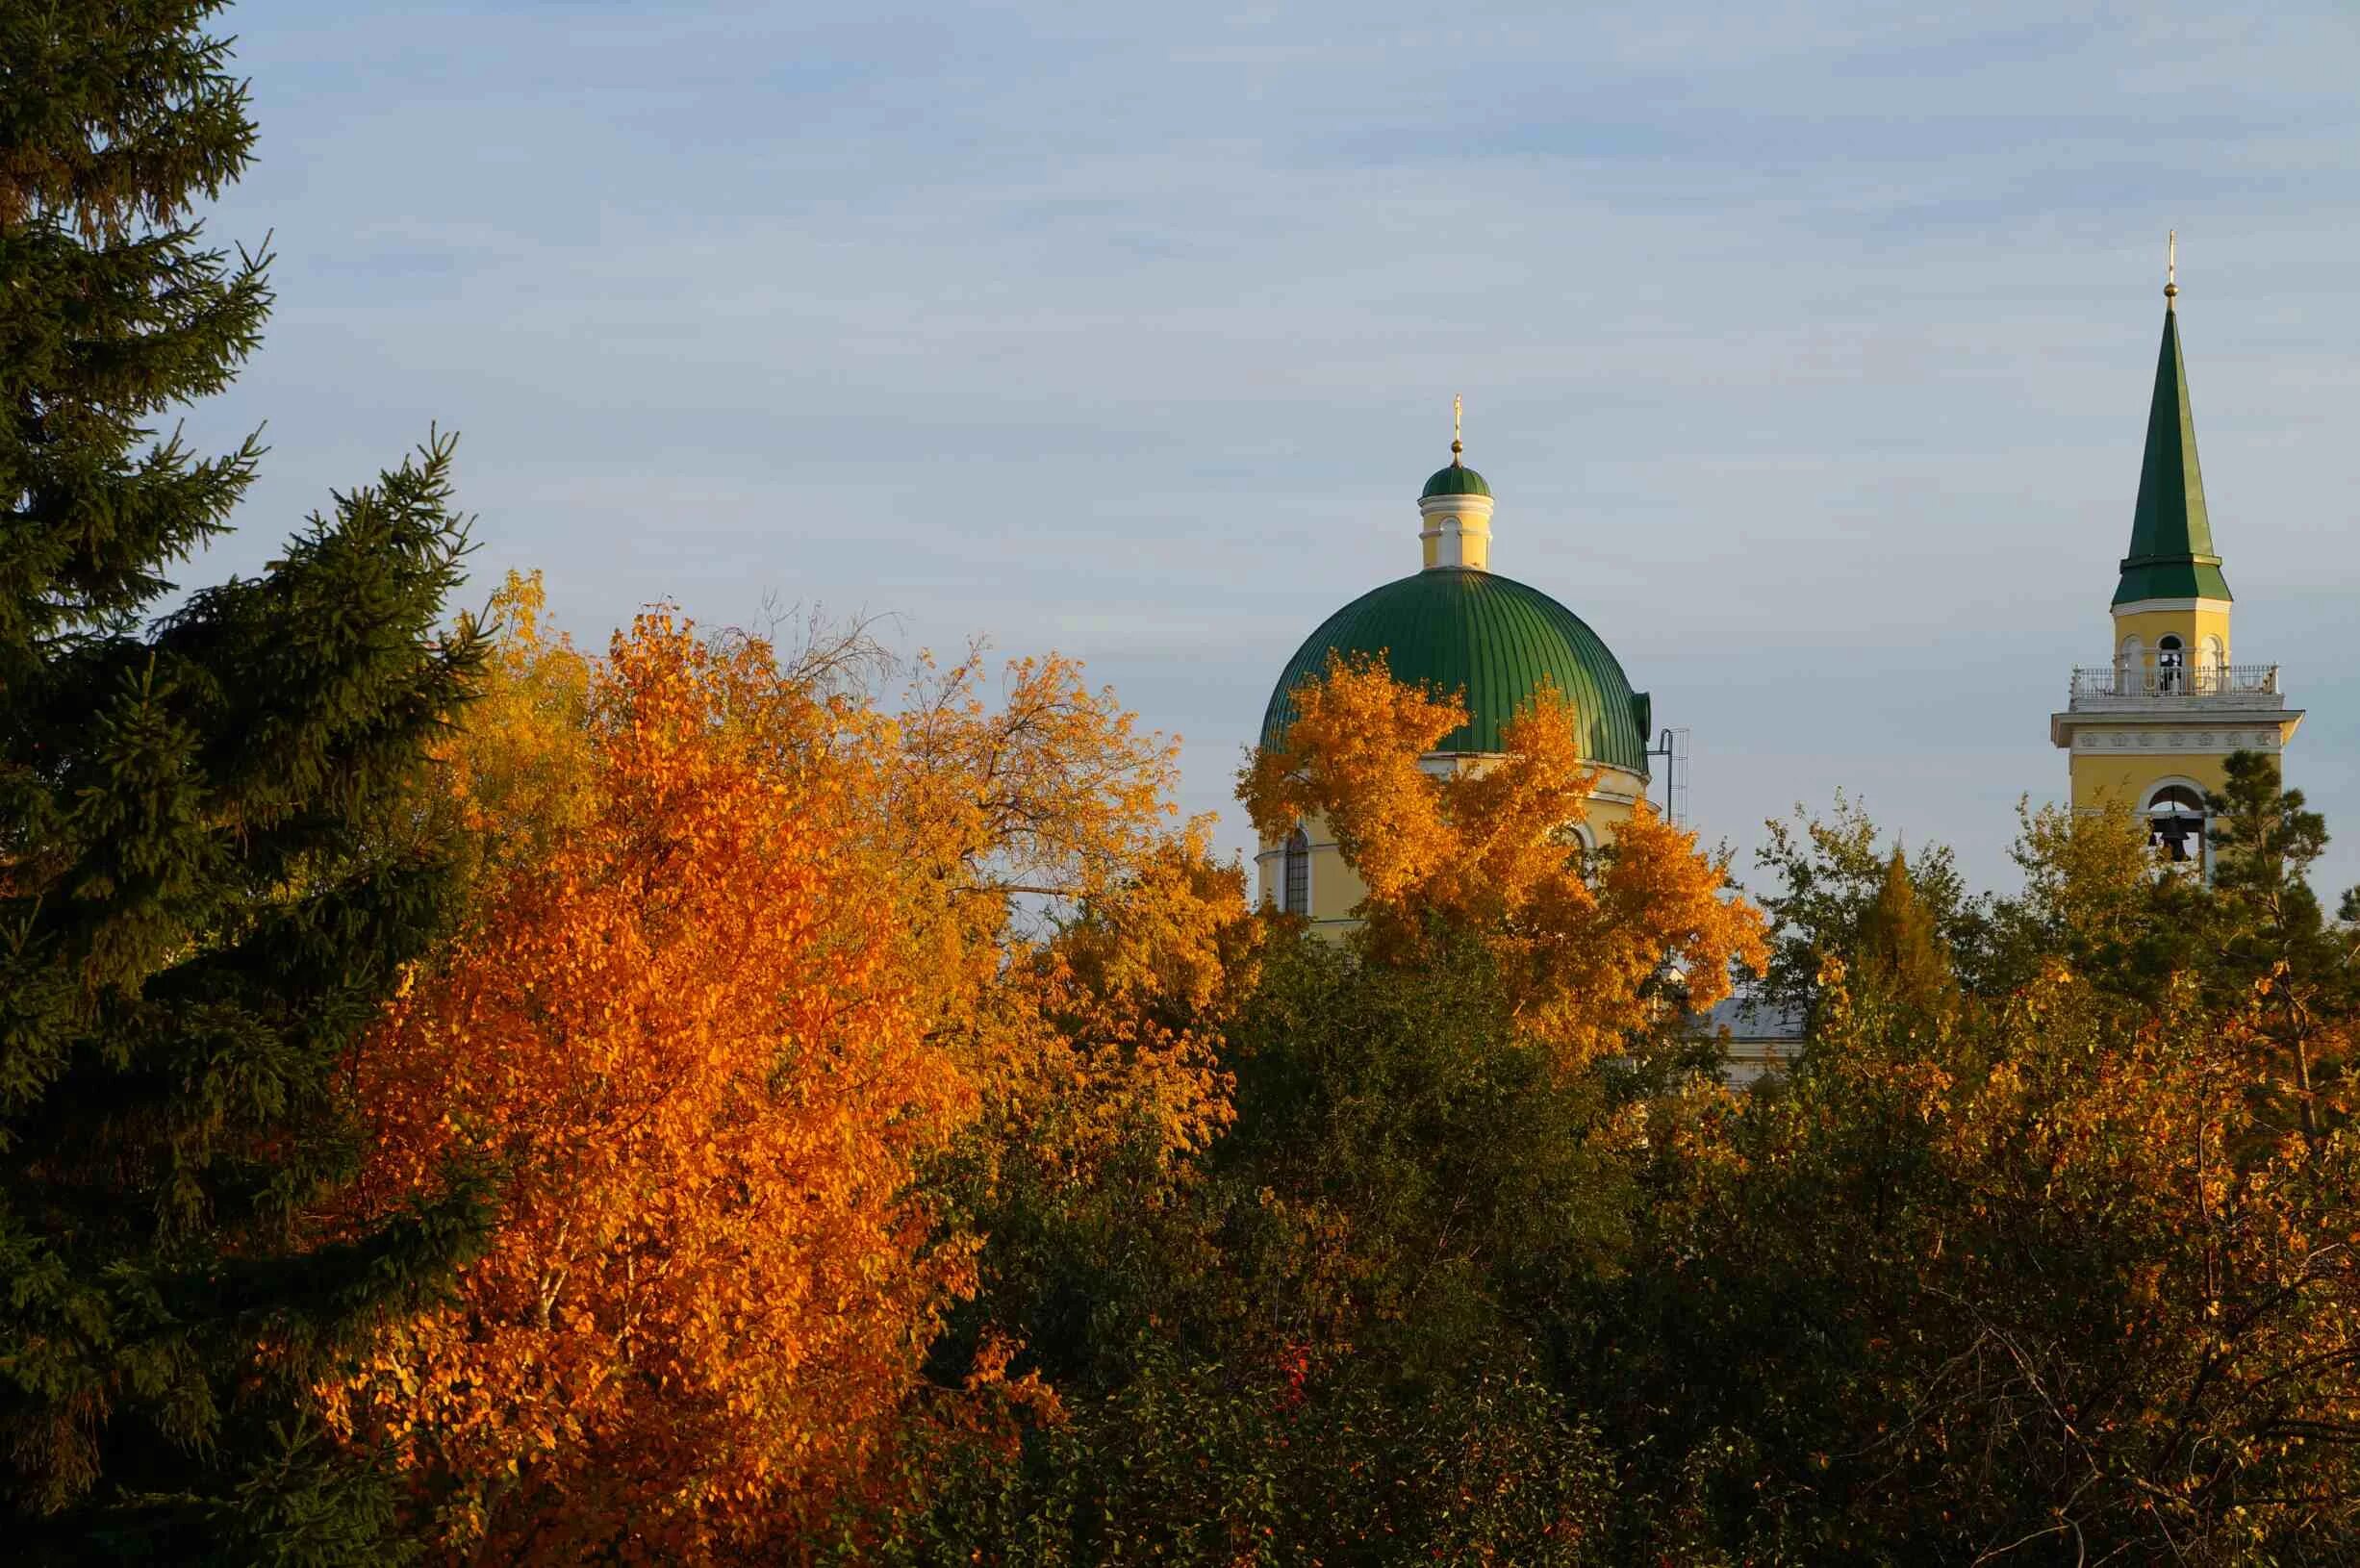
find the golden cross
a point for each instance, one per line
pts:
(2172, 257)
(1458, 408)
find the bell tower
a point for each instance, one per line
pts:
(2149, 730)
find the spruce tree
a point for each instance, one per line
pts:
(1898, 945)
(2272, 948)
(215, 865)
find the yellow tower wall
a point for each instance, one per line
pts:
(2190, 621)
(2123, 775)
(2122, 782)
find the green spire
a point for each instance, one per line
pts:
(2171, 539)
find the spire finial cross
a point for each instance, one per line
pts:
(2171, 264)
(1459, 409)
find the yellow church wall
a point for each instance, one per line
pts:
(1606, 816)
(1337, 889)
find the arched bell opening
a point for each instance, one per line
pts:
(2176, 815)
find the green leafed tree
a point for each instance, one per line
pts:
(1825, 879)
(214, 862)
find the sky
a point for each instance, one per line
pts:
(1806, 347)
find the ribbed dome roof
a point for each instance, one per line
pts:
(1455, 480)
(1488, 640)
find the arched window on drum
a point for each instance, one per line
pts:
(1295, 878)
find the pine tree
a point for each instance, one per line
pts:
(214, 866)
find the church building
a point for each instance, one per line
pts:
(2150, 730)
(1460, 627)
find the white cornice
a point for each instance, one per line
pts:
(2141, 607)
(2203, 734)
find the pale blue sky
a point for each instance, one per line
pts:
(1807, 348)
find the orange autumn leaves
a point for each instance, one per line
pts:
(1582, 940)
(749, 952)
(677, 1038)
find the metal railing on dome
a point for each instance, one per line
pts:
(2231, 684)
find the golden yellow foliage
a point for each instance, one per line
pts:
(1130, 1001)
(522, 769)
(1060, 934)
(1582, 940)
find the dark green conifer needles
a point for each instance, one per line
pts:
(214, 866)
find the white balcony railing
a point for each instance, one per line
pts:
(2224, 686)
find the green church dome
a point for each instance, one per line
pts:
(1489, 640)
(1455, 480)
